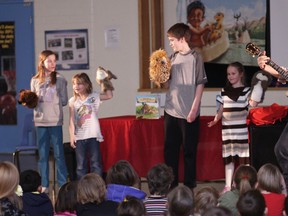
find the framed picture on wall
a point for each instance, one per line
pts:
(71, 48)
(221, 30)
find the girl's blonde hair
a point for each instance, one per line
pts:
(41, 69)
(91, 189)
(83, 78)
(270, 178)
(9, 179)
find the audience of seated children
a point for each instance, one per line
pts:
(91, 197)
(131, 206)
(180, 201)
(35, 203)
(244, 179)
(251, 203)
(206, 197)
(10, 203)
(217, 211)
(66, 201)
(159, 180)
(270, 183)
(122, 180)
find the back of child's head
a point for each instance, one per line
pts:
(159, 179)
(131, 206)
(180, 201)
(205, 198)
(245, 178)
(195, 5)
(180, 30)
(67, 198)
(270, 178)
(91, 189)
(217, 211)
(251, 203)
(9, 179)
(240, 68)
(30, 180)
(123, 173)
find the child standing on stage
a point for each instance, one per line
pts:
(51, 88)
(84, 127)
(182, 105)
(233, 110)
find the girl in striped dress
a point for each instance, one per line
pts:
(233, 110)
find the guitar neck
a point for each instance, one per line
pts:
(280, 70)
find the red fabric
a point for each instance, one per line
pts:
(141, 142)
(267, 115)
(274, 203)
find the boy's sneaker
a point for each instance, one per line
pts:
(45, 190)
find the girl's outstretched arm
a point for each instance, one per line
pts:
(217, 117)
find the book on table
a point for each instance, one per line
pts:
(147, 107)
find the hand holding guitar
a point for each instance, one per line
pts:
(262, 59)
(265, 63)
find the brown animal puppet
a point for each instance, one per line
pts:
(28, 98)
(259, 84)
(159, 67)
(103, 78)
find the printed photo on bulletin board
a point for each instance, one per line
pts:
(221, 29)
(70, 47)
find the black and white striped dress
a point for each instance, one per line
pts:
(234, 124)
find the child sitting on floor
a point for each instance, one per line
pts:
(35, 203)
(159, 180)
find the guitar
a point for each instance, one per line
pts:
(252, 49)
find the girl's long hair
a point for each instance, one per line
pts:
(41, 69)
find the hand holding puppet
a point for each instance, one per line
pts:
(259, 84)
(103, 78)
(159, 67)
(28, 98)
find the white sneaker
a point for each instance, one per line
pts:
(44, 190)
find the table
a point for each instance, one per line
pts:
(141, 142)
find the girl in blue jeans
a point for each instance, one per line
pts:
(84, 127)
(51, 88)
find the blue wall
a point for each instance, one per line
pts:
(22, 15)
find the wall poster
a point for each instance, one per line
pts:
(71, 48)
(221, 29)
(8, 111)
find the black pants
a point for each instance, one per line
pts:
(281, 152)
(179, 132)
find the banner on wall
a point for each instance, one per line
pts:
(70, 47)
(8, 112)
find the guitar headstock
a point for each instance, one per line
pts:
(253, 50)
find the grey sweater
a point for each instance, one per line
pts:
(49, 111)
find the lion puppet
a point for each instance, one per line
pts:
(159, 67)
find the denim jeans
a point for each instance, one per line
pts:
(47, 136)
(281, 152)
(88, 150)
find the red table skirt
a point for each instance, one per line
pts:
(141, 142)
